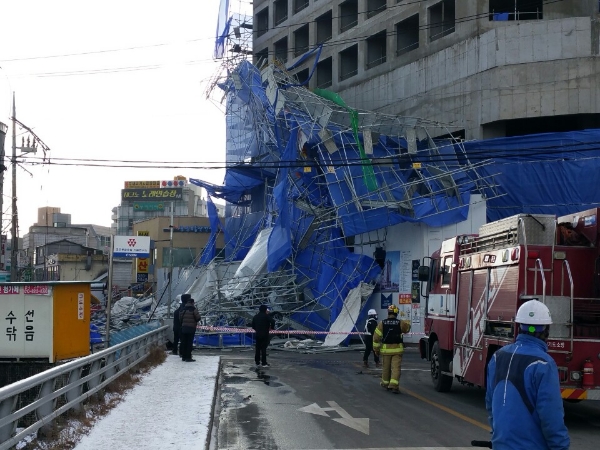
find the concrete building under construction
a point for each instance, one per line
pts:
(492, 68)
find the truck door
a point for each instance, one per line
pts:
(473, 289)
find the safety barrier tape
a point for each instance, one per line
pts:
(250, 330)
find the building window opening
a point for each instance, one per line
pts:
(324, 27)
(301, 40)
(261, 57)
(348, 62)
(505, 10)
(374, 7)
(348, 15)
(299, 5)
(407, 35)
(262, 22)
(280, 11)
(442, 19)
(376, 49)
(325, 73)
(302, 76)
(281, 50)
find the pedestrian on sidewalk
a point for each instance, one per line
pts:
(262, 323)
(388, 341)
(189, 317)
(177, 324)
(370, 330)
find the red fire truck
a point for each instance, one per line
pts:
(476, 283)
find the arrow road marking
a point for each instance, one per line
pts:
(359, 424)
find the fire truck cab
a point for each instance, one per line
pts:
(476, 283)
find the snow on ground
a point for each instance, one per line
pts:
(169, 409)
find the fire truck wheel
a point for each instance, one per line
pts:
(441, 382)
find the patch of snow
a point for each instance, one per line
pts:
(24, 441)
(169, 409)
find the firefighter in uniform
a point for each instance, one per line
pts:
(387, 341)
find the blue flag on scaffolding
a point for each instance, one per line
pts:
(209, 251)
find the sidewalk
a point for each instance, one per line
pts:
(170, 409)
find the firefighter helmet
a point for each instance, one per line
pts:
(372, 312)
(533, 312)
(393, 309)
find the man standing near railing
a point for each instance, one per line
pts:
(189, 317)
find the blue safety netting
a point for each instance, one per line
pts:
(318, 195)
(223, 25)
(551, 173)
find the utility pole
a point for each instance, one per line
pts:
(14, 242)
(3, 130)
(110, 289)
(170, 261)
(29, 146)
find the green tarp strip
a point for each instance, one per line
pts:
(367, 168)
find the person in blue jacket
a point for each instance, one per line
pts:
(523, 390)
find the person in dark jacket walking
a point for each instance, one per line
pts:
(262, 323)
(177, 327)
(370, 329)
(189, 317)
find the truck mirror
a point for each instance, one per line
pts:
(423, 273)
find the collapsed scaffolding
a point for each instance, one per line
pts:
(309, 182)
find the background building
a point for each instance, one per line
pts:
(491, 68)
(142, 200)
(54, 226)
(67, 261)
(190, 236)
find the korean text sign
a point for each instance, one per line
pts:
(26, 314)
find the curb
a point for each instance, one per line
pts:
(211, 436)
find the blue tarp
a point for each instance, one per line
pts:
(550, 173)
(240, 233)
(279, 246)
(223, 25)
(209, 251)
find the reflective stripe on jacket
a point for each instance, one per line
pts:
(379, 344)
(523, 398)
(370, 326)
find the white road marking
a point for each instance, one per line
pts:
(356, 423)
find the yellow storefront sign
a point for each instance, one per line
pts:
(142, 265)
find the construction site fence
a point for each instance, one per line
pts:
(34, 402)
(232, 336)
(205, 328)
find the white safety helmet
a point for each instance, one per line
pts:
(372, 312)
(533, 312)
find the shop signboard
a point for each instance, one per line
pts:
(151, 195)
(131, 247)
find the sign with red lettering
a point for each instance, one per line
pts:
(37, 290)
(8, 289)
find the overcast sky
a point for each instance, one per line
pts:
(110, 80)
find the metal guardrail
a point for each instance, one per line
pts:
(101, 368)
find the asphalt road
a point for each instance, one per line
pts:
(327, 401)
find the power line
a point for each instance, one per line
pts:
(336, 43)
(475, 156)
